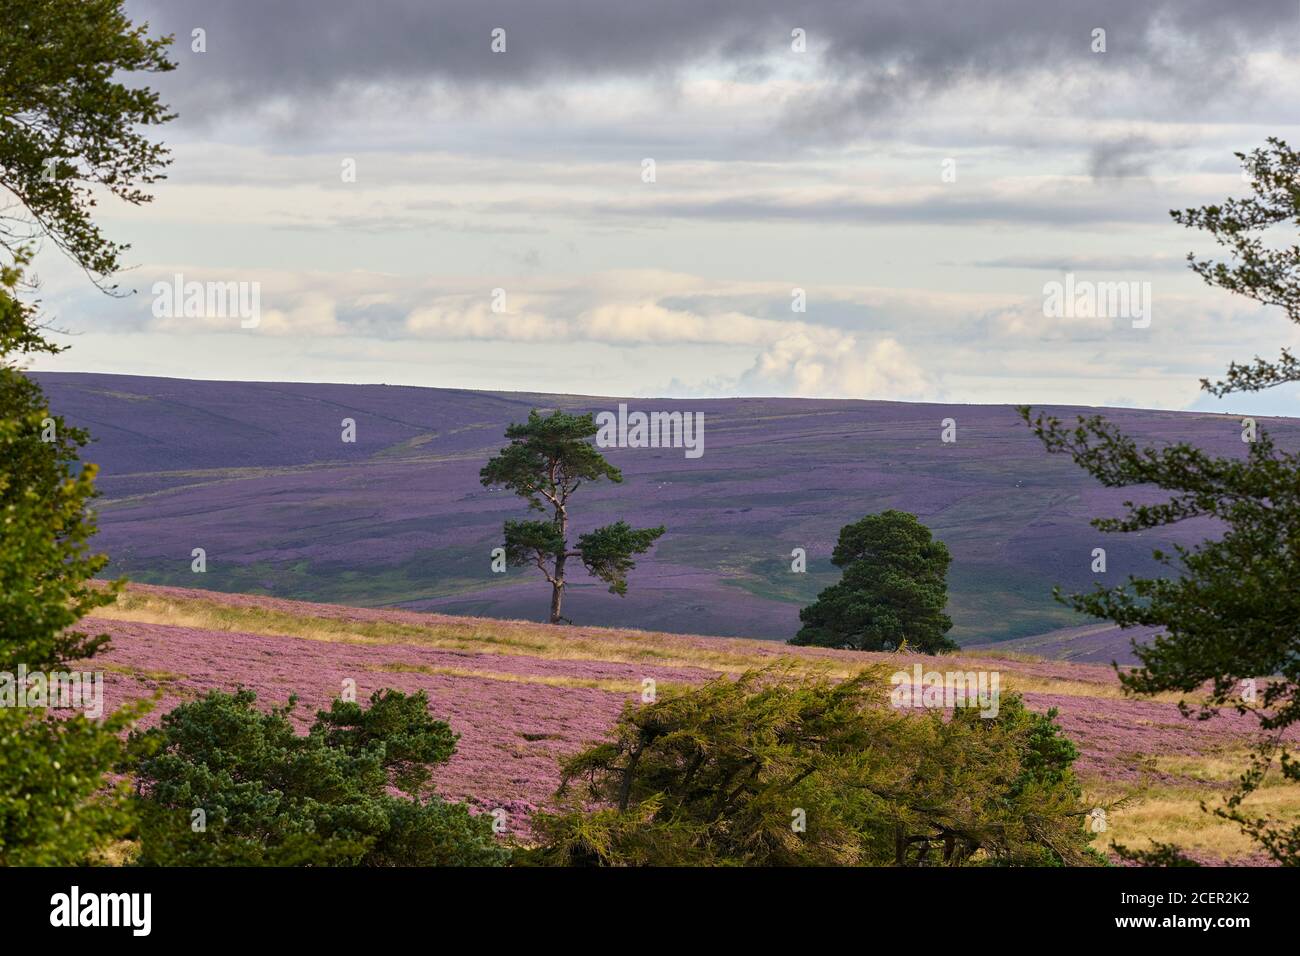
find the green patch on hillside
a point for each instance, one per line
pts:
(429, 574)
(991, 602)
(987, 602)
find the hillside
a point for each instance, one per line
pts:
(523, 695)
(258, 476)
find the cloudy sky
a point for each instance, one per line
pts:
(920, 169)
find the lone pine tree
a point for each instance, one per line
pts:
(894, 589)
(547, 461)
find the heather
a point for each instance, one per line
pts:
(256, 474)
(222, 783)
(523, 697)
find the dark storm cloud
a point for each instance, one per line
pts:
(878, 51)
(1122, 158)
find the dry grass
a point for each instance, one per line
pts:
(118, 853)
(482, 636)
(995, 655)
(1172, 813)
(1031, 684)
(487, 636)
(159, 677)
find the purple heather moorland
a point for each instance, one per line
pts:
(257, 475)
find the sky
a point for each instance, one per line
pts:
(418, 208)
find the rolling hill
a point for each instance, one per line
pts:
(258, 476)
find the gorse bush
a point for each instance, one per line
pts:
(222, 783)
(772, 769)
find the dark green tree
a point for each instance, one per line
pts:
(55, 806)
(69, 126)
(45, 523)
(1227, 612)
(224, 784)
(778, 769)
(548, 459)
(893, 590)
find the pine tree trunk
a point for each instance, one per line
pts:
(557, 589)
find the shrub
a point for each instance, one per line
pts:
(773, 769)
(272, 797)
(55, 806)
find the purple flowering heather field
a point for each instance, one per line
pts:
(258, 476)
(518, 713)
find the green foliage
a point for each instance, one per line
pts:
(1048, 754)
(19, 331)
(55, 808)
(547, 460)
(1227, 611)
(774, 769)
(62, 112)
(1260, 268)
(397, 725)
(893, 590)
(1019, 767)
(45, 525)
(62, 101)
(272, 797)
(607, 552)
(530, 541)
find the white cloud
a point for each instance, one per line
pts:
(459, 317)
(816, 367)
